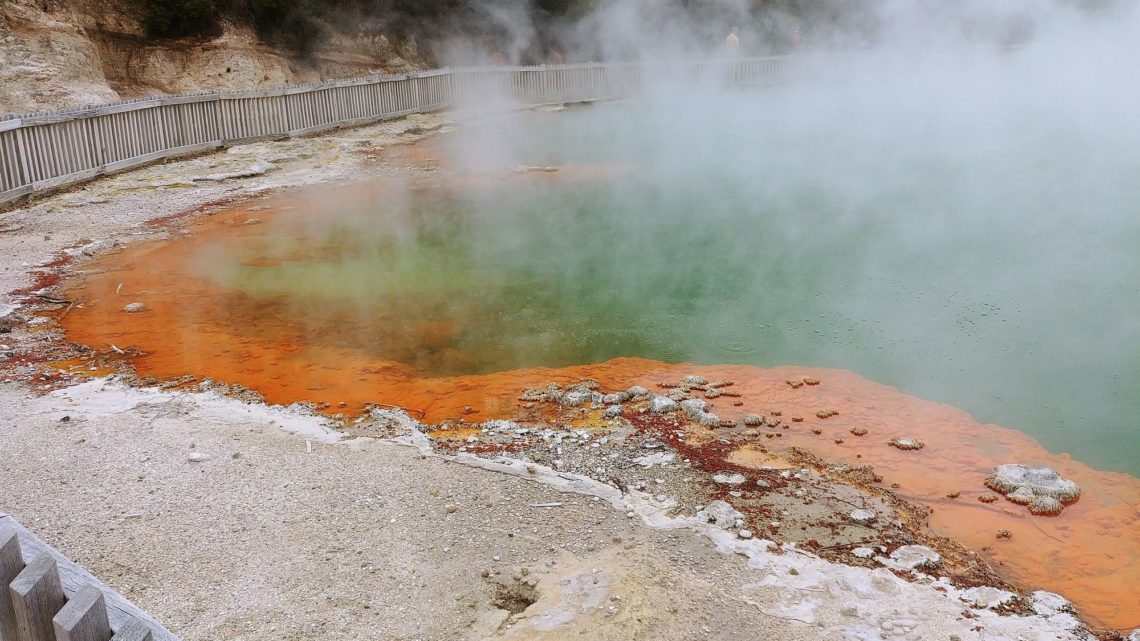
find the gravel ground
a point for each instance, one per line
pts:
(276, 535)
(282, 531)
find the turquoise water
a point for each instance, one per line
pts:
(982, 256)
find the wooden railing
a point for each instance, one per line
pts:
(46, 597)
(42, 151)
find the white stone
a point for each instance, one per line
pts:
(987, 597)
(694, 407)
(576, 398)
(745, 534)
(1067, 621)
(501, 425)
(707, 419)
(662, 405)
(863, 553)
(134, 308)
(657, 458)
(1047, 604)
(721, 514)
(729, 479)
(911, 557)
(1036, 481)
(863, 516)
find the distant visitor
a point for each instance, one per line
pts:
(732, 44)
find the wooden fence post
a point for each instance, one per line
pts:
(11, 564)
(338, 106)
(84, 618)
(94, 142)
(134, 631)
(36, 596)
(22, 152)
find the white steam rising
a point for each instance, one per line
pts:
(988, 147)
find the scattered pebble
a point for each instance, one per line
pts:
(729, 479)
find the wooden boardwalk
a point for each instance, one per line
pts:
(53, 599)
(43, 151)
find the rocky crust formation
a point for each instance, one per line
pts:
(1040, 488)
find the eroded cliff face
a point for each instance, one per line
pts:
(47, 60)
(58, 54)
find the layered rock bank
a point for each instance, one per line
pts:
(72, 53)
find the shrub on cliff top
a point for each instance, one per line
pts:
(180, 18)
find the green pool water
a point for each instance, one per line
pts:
(984, 255)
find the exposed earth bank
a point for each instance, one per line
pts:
(72, 53)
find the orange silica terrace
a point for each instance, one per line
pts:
(1090, 553)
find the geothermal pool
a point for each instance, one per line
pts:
(1006, 289)
(976, 257)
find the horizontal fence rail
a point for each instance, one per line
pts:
(46, 150)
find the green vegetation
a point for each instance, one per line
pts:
(553, 25)
(296, 24)
(180, 18)
(300, 25)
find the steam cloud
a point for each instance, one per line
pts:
(922, 203)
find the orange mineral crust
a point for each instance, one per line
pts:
(1090, 552)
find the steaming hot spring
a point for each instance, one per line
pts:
(967, 239)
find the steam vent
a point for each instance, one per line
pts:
(585, 320)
